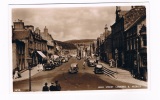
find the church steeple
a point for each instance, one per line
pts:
(118, 10)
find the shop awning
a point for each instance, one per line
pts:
(40, 53)
(55, 56)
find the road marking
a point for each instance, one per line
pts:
(109, 72)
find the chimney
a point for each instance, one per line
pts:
(18, 25)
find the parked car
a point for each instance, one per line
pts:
(49, 65)
(57, 62)
(73, 68)
(91, 62)
(98, 69)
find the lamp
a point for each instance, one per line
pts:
(29, 60)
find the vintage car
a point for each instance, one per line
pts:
(57, 62)
(49, 65)
(91, 62)
(73, 68)
(98, 69)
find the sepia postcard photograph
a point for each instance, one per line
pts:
(79, 47)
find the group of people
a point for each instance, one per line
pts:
(53, 87)
(16, 73)
(39, 67)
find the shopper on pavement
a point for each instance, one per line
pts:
(84, 65)
(111, 62)
(16, 74)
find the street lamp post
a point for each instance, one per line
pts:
(29, 60)
(116, 58)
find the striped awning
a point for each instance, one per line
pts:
(41, 54)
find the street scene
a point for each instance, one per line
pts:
(79, 48)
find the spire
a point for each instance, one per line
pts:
(118, 10)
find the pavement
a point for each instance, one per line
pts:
(121, 75)
(124, 75)
(25, 74)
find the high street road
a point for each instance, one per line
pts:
(85, 79)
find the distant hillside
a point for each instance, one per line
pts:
(66, 45)
(80, 41)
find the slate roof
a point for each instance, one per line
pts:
(48, 38)
(133, 16)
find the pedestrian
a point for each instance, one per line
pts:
(58, 86)
(84, 65)
(45, 87)
(16, 74)
(41, 67)
(52, 87)
(111, 63)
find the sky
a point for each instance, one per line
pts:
(68, 23)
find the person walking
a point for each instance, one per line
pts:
(111, 63)
(16, 74)
(41, 66)
(52, 87)
(45, 87)
(84, 65)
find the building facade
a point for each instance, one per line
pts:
(50, 44)
(25, 44)
(117, 37)
(135, 40)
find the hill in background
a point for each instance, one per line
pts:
(66, 45)
(80, 41)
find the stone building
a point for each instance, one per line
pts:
(117, 36)
(129, 38)
(38, 47)
(106, 51)
(135, 40)
(50, 44)
(25, 44)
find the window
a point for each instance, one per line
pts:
(131, 44)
